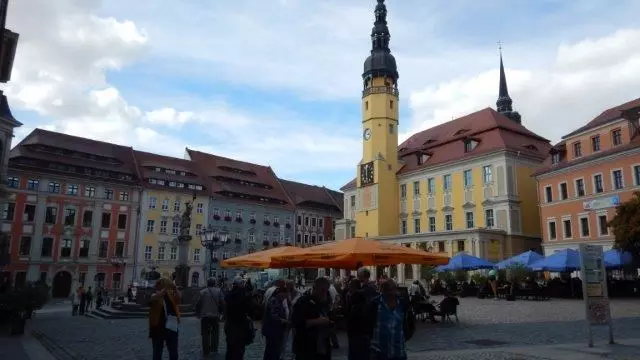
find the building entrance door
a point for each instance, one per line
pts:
(61, 285)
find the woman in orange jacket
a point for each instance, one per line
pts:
(164, 319)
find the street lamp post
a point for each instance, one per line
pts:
(213, 240)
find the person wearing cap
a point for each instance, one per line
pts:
(238, 312)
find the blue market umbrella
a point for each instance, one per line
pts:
(616, 259)
(525, 259)
(560, 261)
(464, 261)
(441, 268)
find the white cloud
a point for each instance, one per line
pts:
(64, 55)
(169, 117)
(586, 78)
(300, 50)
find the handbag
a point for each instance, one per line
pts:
(172, 323)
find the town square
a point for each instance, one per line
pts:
(285, 180)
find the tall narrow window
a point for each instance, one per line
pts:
(106, 220)
(122, 221)
(487, 174)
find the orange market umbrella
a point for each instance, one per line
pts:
(350, 253)
(260, 259)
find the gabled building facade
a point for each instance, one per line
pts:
(169, 183)
(72, 213)
(464, 185)
(586, 175)
(246, 201)
(316, 209)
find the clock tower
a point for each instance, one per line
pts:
(377, 184)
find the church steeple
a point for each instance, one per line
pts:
(380, 62)
(504, 103)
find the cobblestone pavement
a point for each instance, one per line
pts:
(483, 324)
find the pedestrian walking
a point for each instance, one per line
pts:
(274, 324)
(387, 325)
(83, 301)
(75, 302)
(311, 323)
(164, 319)
(89, 299)
(209, 306)
(238, 326)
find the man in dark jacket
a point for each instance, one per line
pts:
(238, 308)
(311, 324)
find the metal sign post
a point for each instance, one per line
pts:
(594, 289)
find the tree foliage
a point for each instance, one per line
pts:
(626, 225)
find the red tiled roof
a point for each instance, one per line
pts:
(445, 143)
(213, 167)
(606, 116)
(304, 194)
(122, 156)
(147, 162)
(338, 197)
(547, 166)
(350, 185)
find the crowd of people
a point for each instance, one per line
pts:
(83, 299)
(378, 319)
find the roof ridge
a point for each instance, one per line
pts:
(228, 158)
(161, 155)
(284, 191)
(138, 173)
(339, 206)
(80, 138)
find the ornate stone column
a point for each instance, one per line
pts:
(182, 270)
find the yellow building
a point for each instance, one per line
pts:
(461, 186)
(169, 183)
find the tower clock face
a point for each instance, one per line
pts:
(366, 134)
(366, 174)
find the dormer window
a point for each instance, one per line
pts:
(577, 149)
(555, 158)
(460, 132)
(531, 147)
(422, 158)
(430, 141)
(469, 145)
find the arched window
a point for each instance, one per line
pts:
(195, 279)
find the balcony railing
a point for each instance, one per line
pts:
(380, 90)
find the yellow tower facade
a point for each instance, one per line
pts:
(377, 207)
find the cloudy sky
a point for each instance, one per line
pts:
(277, 82)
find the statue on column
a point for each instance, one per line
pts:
(182, 270)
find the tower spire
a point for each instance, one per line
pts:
(504, 103)
(380, 62)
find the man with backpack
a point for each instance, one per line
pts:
(209, 306)
(390, 323)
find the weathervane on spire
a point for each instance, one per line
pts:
(500, 46)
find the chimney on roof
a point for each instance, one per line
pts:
(504, 102)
